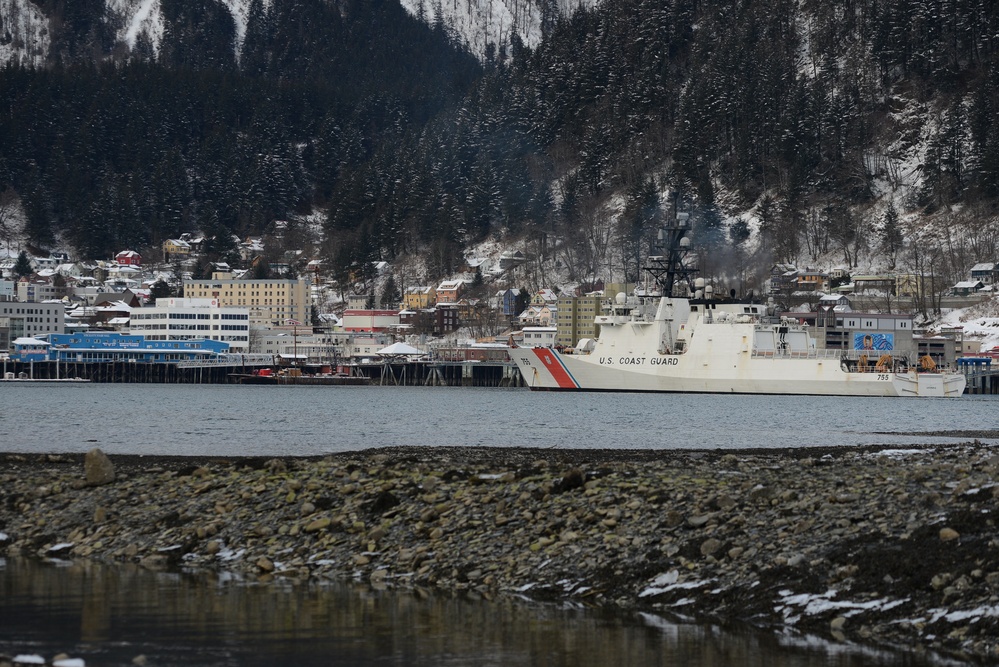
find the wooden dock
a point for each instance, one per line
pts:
(121, 371)
(443, 373)
(982, 381)
(395, 373)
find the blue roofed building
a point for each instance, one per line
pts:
(110, 347)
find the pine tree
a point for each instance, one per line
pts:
(390, 293)
(160, 290)
(22, 267)
(891, 234)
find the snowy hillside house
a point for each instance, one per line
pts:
(874, 284)
(838, 302)
(446, 319)
(450, 291)
(908, 284)
(37, 289)
(251, 247)
(508, 260)
(370, 320)
(174, 248)
(538, 316)
(473, 264)
(128, 258)
(544, 297)
(987, 272)
(811, 280)
(783, 277)
(968, 287)
(419, 297)
(506, 302)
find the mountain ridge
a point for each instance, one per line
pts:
(795, 131)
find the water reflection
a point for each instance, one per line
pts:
(110, 615)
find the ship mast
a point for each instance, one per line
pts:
(670, 267)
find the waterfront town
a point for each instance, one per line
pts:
(289, 313)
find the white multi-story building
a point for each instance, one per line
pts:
(540, 336)
(189, 319)
(29, 320)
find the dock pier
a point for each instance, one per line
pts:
(388, 373)
(442, 373)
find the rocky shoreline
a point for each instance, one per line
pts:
(872, 545)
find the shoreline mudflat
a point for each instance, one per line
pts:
(874, 545)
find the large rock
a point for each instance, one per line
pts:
(98, 468)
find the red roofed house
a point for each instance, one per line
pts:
(128, 258)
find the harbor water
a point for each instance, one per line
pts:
(236, 420)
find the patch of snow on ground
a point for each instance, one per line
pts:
(667, 578)
(69, 662)
(687, 585)
(813, 604)
(980, 321)
(229, 555)
(963, 615)
(899, 453)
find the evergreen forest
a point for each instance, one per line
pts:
(808, 114)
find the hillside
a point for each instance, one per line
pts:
(857, 134)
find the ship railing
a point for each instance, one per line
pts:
(797, 354)
(874, 355)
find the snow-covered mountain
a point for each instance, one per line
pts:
(26, 33)
(479, 23)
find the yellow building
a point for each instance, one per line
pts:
(272, 303)
(176, 247)
(419, 298)
(574, 319)
(908, 284)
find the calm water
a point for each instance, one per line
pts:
(269, 421)
(108, 616)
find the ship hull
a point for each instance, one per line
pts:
(739, 373)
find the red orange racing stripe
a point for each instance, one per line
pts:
(554, 365)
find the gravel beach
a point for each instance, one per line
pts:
(870, 545)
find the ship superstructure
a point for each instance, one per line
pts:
(683, 340)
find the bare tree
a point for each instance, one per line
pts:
(9, 205)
